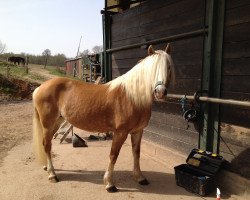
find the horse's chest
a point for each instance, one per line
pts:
(132, 119)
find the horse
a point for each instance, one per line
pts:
(16, 59)
(122, 106)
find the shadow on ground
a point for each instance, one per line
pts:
(160, 183)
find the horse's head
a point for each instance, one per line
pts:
(163, 72)
(149, 77)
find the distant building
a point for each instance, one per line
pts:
(87, 68)
(74, 67)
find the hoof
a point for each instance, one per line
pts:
(144, 182)
(53, 179)
(112, 189)
(45, 168)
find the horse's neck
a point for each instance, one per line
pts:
(138, 82)
(138, 86)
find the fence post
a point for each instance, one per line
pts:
(211, 74)
(106, 22)
(27, 65)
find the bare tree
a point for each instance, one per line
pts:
(2, 47)
(84, 55)
(97, 49)
(46, 53)
(85, 52)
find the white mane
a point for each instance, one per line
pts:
(140, 81)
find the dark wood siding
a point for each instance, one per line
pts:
(236, 85)
(153, 20)
(161, 18)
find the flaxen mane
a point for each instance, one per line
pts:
(140, 81)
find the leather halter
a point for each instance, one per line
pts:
(161, 83)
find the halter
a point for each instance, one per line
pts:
(158, 83)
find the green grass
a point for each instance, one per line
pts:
(10, 70)
(38, 77)
(13, 70)
(56, 71)
(20, 72)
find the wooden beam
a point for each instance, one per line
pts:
(176, 37)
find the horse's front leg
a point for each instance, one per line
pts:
(136, 148)
(118, 140)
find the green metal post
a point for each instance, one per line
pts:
(211, 80)
(106, 20)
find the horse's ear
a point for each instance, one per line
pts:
(151, 50)
(168, 49)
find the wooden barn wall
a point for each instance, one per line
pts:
(70, 68)
(152, 20)
(161, 18)
(236, 85)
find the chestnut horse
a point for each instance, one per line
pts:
(122, 106)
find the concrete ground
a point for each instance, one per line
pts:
(81, 170)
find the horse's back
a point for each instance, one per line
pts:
(65, 88)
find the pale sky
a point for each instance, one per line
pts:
(31, 26)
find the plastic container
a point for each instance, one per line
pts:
(199, 174)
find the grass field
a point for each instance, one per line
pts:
(36, 73)
(10, 70)
(17, 81)
(50, 69)
(56, 71)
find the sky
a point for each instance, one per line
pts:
(31, 26)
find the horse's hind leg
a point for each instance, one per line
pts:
(136, 148)
(48, 135)
(118, 140)
(47, 147)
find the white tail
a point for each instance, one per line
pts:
(38, 139)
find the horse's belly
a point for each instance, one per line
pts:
(98, 116)
(91, 122)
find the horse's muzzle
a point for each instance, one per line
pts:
(160, 92)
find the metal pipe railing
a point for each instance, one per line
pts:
(160, 40)
(211, 100)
